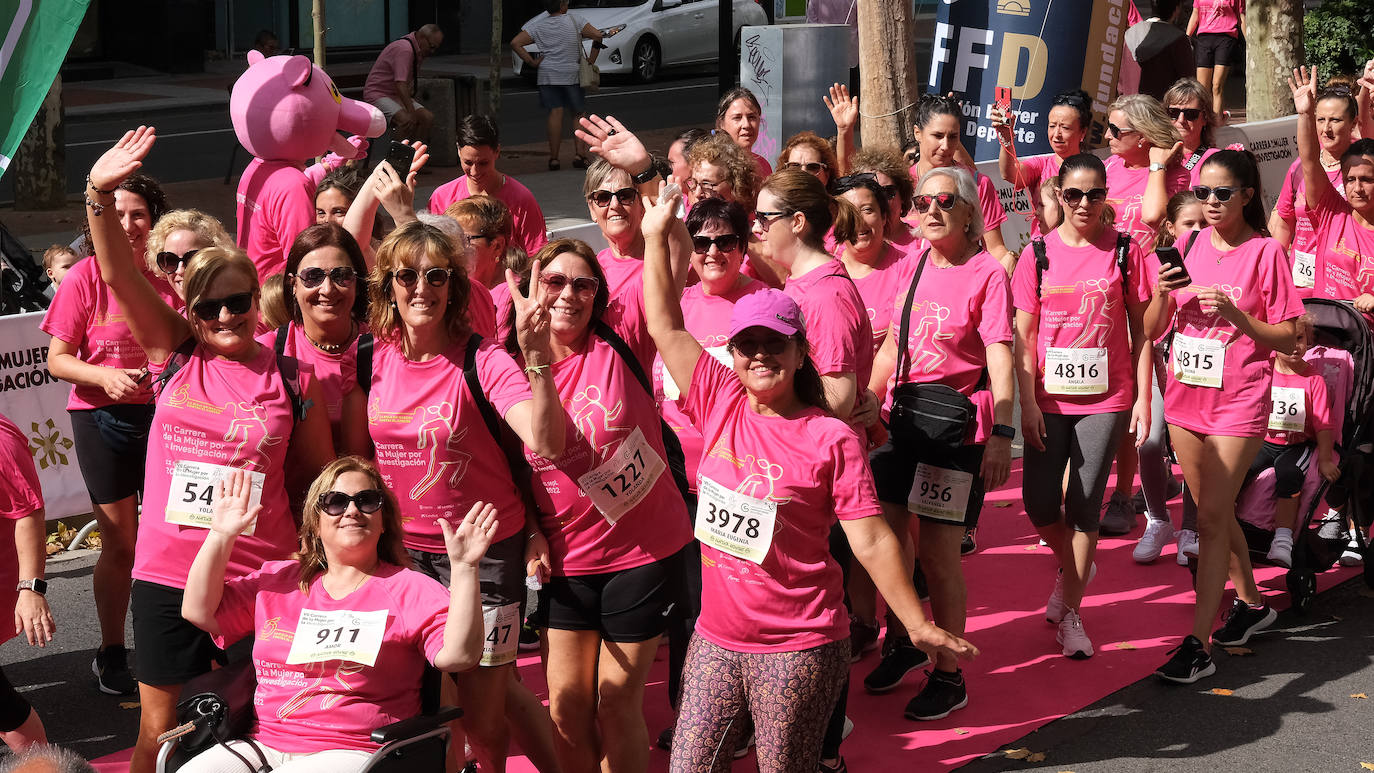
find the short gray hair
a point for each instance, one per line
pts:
(967, 191)
(449, 226)
(59, 760)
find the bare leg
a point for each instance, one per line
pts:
(1127, 461)
(939, 546)
(531, 726)
(621, 673)
(158, 714)
(1219, 89)
(570, 668)
(114, 568)
(555, 132)
(27, 734)
(483, 692)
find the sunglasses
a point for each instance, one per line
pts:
(434, 277)
(1188, 113)
(341, 276)
(368, 500)
(1117, 131)
(1073, 195)
(1070, 99)
(208, 309)
(169, 262)
(725, 243)
(706, 185)
(766, 219)
(1223, 193)
(554, 282)
(944, 201)
(487, 237)
(750, 347)
(625, 196)
(810, 167)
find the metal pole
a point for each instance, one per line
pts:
(728, 64)
(498, 49)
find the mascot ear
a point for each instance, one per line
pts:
(297, 71)
(254, 56)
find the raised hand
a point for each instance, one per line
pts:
(230, 514)
(609, 139)
(531, 317)
(397, 195)
(418, 163)
(843, 108)
(660, 213)
(1303, 84)
(468, 541)
(122, 160)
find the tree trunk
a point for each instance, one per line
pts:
(318, 28)
(888, 80)
(1273, 48)
(40, 178)
(498, 52)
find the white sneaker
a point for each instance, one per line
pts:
(1281, 550)
(1073, 638)
(1352, 555)
(1054, 607)
(1158, 533)
(1187, 546)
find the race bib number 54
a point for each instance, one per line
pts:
(191, 495)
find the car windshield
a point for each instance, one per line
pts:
(573, 4)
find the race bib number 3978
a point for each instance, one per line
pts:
(734, 523)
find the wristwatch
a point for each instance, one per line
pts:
(1155, 167)
(645, 176)
(36, 585)
(1003, 430)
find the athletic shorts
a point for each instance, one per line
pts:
(630, 605)
(501, 575)
(894, 472)
(111, 449)
(391, 107)
(167, 649)
(570, 96)
(1217, 49)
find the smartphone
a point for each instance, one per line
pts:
(1171, 256)
(1003, 98)
(400, 155)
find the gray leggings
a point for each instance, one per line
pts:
(1087, 446)
(1154, 460)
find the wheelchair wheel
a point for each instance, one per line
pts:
(1302, 586)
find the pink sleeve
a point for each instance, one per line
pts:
(1286, 206)
(1033, 172)
(1180, 179)
(711, 381)
(994, 324)
(239, 602)
(402, 59)
(833, 332)
(501, 378)
(69, 314)
(852, 491)
(1023, 290)
(1279, 293)
(629, 322)
(481, 309)
(528, 220)
(293, 211)
(20, 494)
(1319, 412)
(425, 603)
(993, 212)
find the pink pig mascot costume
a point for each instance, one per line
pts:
(286, 110)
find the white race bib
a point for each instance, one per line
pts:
(191, 494)
(1075, 371)
(734, 523)
(337, 635)
(940, 493)
(670, 387)
(621, 482)
(1304, 269)
(500, 634)
(1289, 410)
(1199, 361)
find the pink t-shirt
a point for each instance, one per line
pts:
(837, 326)
(481, 309)
(761, 166)
(813, 467)
(620, 272)
(433, 448)
(707, 318)
(604, 405)
(276, 201)
(1317, 406)
(85, 314)
(956, 314)
(1255, 276)
(333, 704)
(1036, 169)
(336, 372)
(878, 288)
(1345, 250)
(20, 496)
(220, 412)
(1219, 16)
(1126, 191)
(1292, 206)
(1080, 306)
(397, 63)
(527, 219)
(500, 297)
(1194, 167)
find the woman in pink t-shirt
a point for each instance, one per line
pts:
(1230, 309)
(739, 116)
(1142, 172)
(352, 572)
(174, 241)
(771, 639)
(1217, 28)
(1189, 107)
(811, 154)
(869, 259)
(958, 335)
(1066, 125)
(894, 177)
(1084, 372)
(225, 402)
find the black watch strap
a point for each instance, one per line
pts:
(645, 176)
(1004, 430)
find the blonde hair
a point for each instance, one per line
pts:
(53, 253)
(272, 301)
(721, 151)
(797, 191)
(1148, 117)
(486, 214)
(1185, 89)
(407, 246)
(207, 229)
(390, 547)
(207, 266)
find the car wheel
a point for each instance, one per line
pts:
(646, 59)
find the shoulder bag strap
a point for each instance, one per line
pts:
(1042, 263)
(904, 326)
(1123, 260)
(364, 362)
(479, 396)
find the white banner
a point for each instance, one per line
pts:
(36, 401)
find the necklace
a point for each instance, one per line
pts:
(333, 348)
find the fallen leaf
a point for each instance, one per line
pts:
(1018, 754)
(1037, 757)
(1222, 691)
(1001, 504)
(1032, 547)
(1124, 645)
(129, 704)
(1367, 765)
(960, 731)
(1238, 650)
(1360, 695)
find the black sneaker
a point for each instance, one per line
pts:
(1242, 622)
(900, 657)
(970, 543)
(665, 739)
(529, 638)
(863, 638)
(943, 694)
(111, 669)
(1189, 663)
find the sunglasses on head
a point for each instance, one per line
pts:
(341, 276)
(169, 262)
(750, 347)
(810, 167)
(208, 309)
(1070, 99)
(434, 277)
(944, 201)
(554, 282)
(1188, 113)
(725, 243)
(1117, 131)
(603, 198)
(1072, 196)
(368, 500)
(1223, 193)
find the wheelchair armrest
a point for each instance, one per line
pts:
(408, 728)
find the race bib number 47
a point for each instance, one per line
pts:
(191, 496)
(337, 635)
(501, 634)
(734, 523)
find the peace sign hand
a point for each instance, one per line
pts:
(531, 317)
(123, 159)
(609, 139)
(1303, 84)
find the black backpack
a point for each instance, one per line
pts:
(288, 366)
(1123, 257)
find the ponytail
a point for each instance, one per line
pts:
(846, 228)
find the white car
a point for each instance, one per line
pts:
(654, 34)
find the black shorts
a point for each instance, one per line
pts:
(111, 448)
(554, 97)
(1217, 49)
(501, 571)
(167, 649)
(894, 472)
(631, 605)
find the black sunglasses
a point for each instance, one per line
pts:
(725, 243)
(850, 182)
(603, 198)
(341, 276)
(750, 347)
(1070, 99)
(1188, 113)
(169, 262)
(238, 303)
(1223, 193)
(1073, 195)
(766, 218)
(1117, 131)
(810, 167)
(434, 277)
(369, 500)
(943, 200)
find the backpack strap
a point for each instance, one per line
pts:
(1042, 262)
(1189, 246)
(280, 345)
(175, 361)
(290, 369)
(364, 362)
(905, 324)
(1123, 261)
(479, 396)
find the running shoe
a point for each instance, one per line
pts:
(863, 638)
(1189, 663)
(1118, 517)
(1073, 638)
(529, 638)
(1187, 546)
(900, 657)
(970, 542)
(111, 669)
(1281, 550)
(943, 694)
(1054, 607)
(1241, 622)
(1158, 533)
(1352, 555)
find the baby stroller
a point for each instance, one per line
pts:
(1342, 351)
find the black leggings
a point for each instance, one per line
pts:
(1290, 465)
(13, 708)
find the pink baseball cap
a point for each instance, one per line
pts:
(773, 309)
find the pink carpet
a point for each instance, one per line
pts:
(1133, 614)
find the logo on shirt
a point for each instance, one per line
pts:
(1093, 306)
(436, 431)
(761, 476)
(1211, 326)
(927, 348)
(595, 421)
(330, 685)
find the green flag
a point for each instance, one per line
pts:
(36, 36)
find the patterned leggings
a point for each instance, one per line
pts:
(788, 694)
